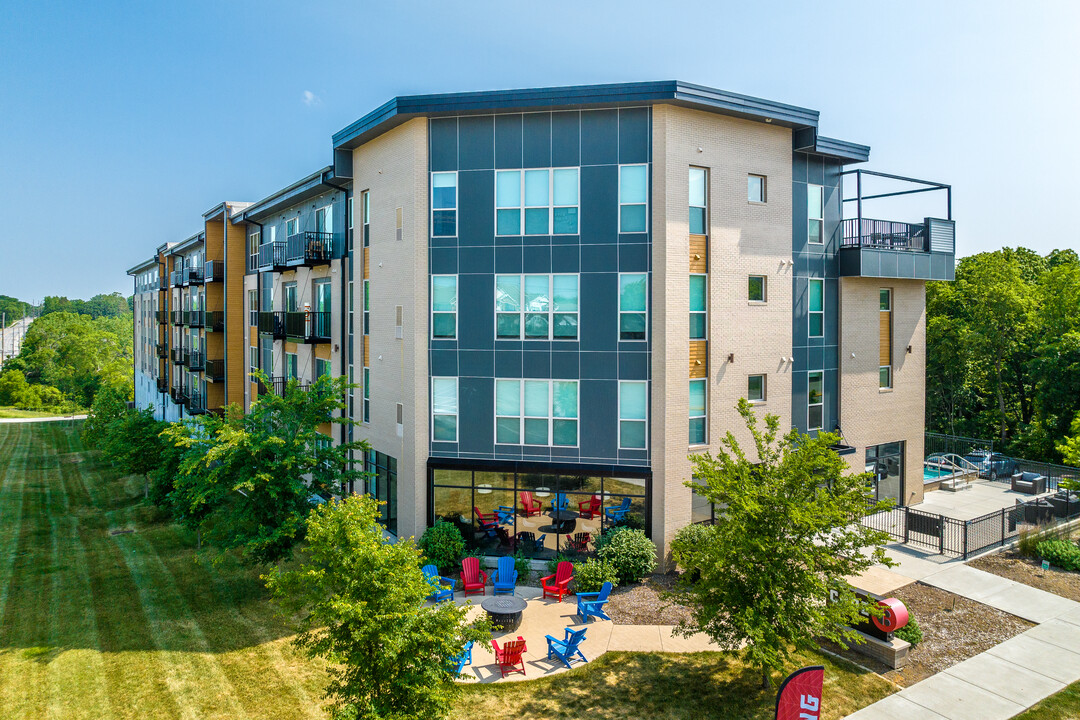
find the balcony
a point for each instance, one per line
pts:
(308, 327)
(309, 248)
(277, 386)
(214, 271)
(195, 318)
(177, 317)
(194, 359)
(162, 350)
(272, 323)
(196, 403)
(214, 320)
(178, 356)
(177, 394)
(162, 316)
(162, 384)
(163, 282)
(215, 371)
(195, 275)
(178, 278)
(272, 257)
(892, 249)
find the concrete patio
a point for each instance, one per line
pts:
(978, 499)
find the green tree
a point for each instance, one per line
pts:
(788, 535)
(361, 606)
(13, 387)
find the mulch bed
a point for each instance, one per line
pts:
(1014, 566)
(642, 604)
(954, 629)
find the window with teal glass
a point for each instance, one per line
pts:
(367, 394)
(815, 213)
(322, 368)
(565, 191)
(444, 409)
(536, 406)
(542, 201)
(444, 306)
(699, 180)
(537, 190)
(290, 366)
(816, 306)
(444, 204)
(508, 202)
(697, 412)
(564, 412)
(698, 292)
(549, 310)
(536, 412)
(564, 308)
(633, 198)
(508, 412)
(508, 306)
(367, 307)
(815, 400)
(633, 289)
(537, 306)
(633, 395)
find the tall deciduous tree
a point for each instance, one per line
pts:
(361, 604)
(786, 534)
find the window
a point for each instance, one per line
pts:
(443, 204)
(815, 213)
(443, 306)
(885, 338)
(322, 368)
(537, 202)
(756, 288)
(292, 227)
(816, 315)
(633, 198)
(755, 388)
(885, 377)
(253, 359)
(367, 307)
(697, 412)
(699, 180)
(399, 224)
(545, 307)
(382, 485)
(290, 366)
(698, 292)
(814, 400)
(536, 412)
(444, 409)
(633, 418)
(755, 188)
(253, 308)
(365, 208)
(632, 305)
(367, 394)
(253, 250)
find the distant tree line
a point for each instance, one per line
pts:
(14, 309)
(110, 305)
(1003, 351)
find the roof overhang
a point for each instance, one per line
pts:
(150, 264)
(184, 245)
(308, 187)
(224, 210)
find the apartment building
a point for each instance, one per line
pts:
(550, 298)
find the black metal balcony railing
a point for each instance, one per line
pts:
(866, 232)
(272, 323)
(196, 403)
(309, 248)
(177, 317)
(178, 278)
(162, 350)
(308, 327)
(163, 283)
(195, 359)
(272, 256)
(214, 271)
(278, 385)
(178, 356)
(178, 395)
(162, 316)
(214, 320)
(195, 318)
(162, 384)
(215, 370)
(195, 275)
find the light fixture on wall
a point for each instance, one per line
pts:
(731, 357)
(908, 349)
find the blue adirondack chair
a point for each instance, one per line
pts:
(568, 648)
(465, 658)
(506, 515)
(441, 591)
(504, 579)
(614, 514)
(592, 603)
(540, 542)
(560, 502)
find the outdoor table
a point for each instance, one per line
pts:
(564, 519)
(504, 611)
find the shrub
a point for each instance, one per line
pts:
(910, 632)
(1030, 537)
(634, 522)
(1060, 552)
(443, 545)
(523, 567)
(631, 553)
(553, 563)
(591, 575)
(687, 540)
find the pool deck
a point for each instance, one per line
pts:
(980, 498)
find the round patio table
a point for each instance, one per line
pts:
(504, 611)
(564, 520)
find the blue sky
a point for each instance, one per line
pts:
(121, 123)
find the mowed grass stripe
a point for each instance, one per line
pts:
(16, 436)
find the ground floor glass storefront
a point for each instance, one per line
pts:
(500, 511)
(886, 463)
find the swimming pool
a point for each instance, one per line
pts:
(932, 473)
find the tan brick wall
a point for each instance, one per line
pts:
(745, 238)
(394, 168)
(868, 415)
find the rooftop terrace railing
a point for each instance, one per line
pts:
(867, 232)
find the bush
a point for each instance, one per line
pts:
(910, 632)
(631, 553)
(1030, 537)
(523, 567)
(686, 542)
(443, 545)
(1060, 553)
(591, 575)
(634, 522)
(553, 563)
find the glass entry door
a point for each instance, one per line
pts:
(886, 462)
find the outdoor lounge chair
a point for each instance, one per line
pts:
(505, 515)
(1029, 483)
(473, 579)
(509, 656)
(525, 540)
(615, 514)
(560, 502)
(441, 591)
(465, 658)
(567, 649)
(592, 603)
(504, 579)
(579, 542)
(590, 508)
(530, 507)
(559, 582)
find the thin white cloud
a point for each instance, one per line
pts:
(311, 99)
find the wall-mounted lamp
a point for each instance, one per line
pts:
(908, 349)
(731, 357)
(700, 150)
(335, 347)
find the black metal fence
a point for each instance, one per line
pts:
(964, 446)
(866, 232)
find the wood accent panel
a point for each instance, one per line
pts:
(325, 429)
(884, 337)
(215, 395)
(699, 358)
(367, 263)
(290, 347)
(367, 356)
(215, 240)
(699, 254)
(322, 351)
(234, 251)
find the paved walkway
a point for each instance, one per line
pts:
(43, 419)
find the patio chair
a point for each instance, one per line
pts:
(567, 649)
(560, 581)
(579, 542)
(592, 603)
(488, 522)
(465, 658)
(560, 502)
(509, 656)
(504, 537)
(505, 515)
(441, 592)
(473, 579)
(615, 514)
(1029, 483)
(540, 543)
(526, 541)
(504, 579)
(590, 508)
(529, 506)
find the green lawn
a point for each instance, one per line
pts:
(1065, 705)
(7, 411)
(98, 622)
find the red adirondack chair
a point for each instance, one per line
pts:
(490, 518)
(563, 574)
(509, 656)
(472, 577)
(580, 541)
(531, 507)
(590, 508)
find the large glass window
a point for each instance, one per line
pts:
(816, 305)
(633, 198)
(444, 306)
(698, 305)
(815, 213)
(815, 400)
(698, 412)
(549, 310)
(886, 462)
(633, 293)
(444, 204)
(699, 181)
(537, 201)
(633, 408)
(444, 409)
(382, 485)
(536, 412)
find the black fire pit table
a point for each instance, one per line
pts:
(564, 520)
(504, 611)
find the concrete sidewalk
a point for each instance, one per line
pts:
(43, 419)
